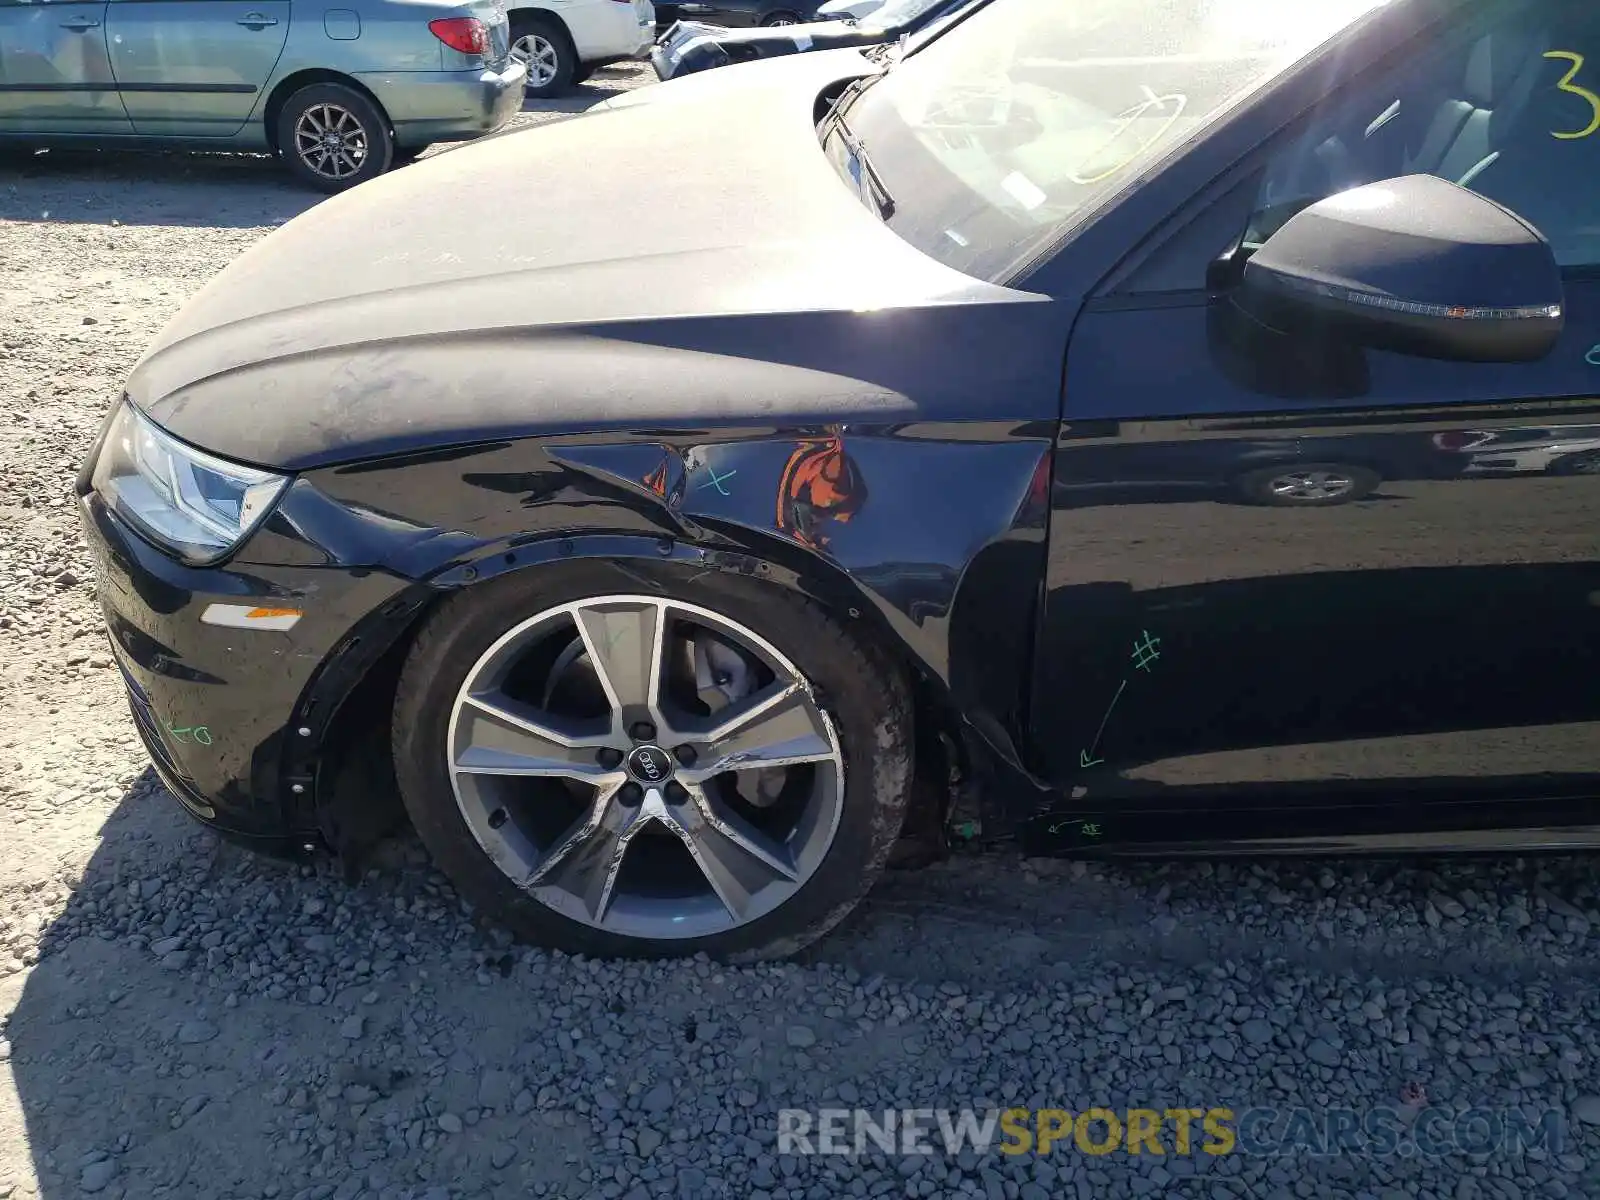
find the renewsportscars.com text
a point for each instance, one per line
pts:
(1269, 1132)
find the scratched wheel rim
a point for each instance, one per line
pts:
(646, 767)
(331, 141)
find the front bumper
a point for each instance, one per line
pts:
(448, 106)
(221, 709)
(685, 48)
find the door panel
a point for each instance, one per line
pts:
(194, 68)
(1283, 574)
(55, 76)
(1442, 632)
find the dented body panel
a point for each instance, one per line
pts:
(933, 534)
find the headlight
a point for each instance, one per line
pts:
(197, 506)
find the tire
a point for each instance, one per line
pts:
(772, 20)
(581, 73)
(867, 720)
(552, 60)
(1321, 485)
(343, 111)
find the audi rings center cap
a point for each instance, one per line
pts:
(650, 765)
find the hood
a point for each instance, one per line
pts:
(722, 273)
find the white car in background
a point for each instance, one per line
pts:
(562, 41)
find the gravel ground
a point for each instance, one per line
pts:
(179, 1018)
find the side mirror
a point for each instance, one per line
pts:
(1415, 265)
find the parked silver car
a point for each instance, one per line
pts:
(341, 94)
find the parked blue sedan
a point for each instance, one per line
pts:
(340, 94)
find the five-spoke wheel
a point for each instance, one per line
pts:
(710, 742)
(651, 772)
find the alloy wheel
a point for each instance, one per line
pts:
(646, 767)
(539, 55)
(331, 141)
(1318, 484)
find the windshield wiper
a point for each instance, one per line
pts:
(834, 123)
(858, 151)
(847, 97)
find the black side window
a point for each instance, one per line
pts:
(1513, 113)
(1548, 170)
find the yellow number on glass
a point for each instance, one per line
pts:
(1577, 89)
(1124, 121)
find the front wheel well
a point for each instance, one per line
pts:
(290, 84)
(355, 802)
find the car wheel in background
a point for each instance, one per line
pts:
(772, 20)
(1308, 485)
(333, 137)
(544, 47)
(655, 766)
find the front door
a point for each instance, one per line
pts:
(1278, 581)
(194, 68)
(55, 76)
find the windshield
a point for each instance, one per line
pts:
(998, 137)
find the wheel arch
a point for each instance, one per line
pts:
(343, 766)
(927, 541)
(292, 83)
(534, 10)
(770, 560)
